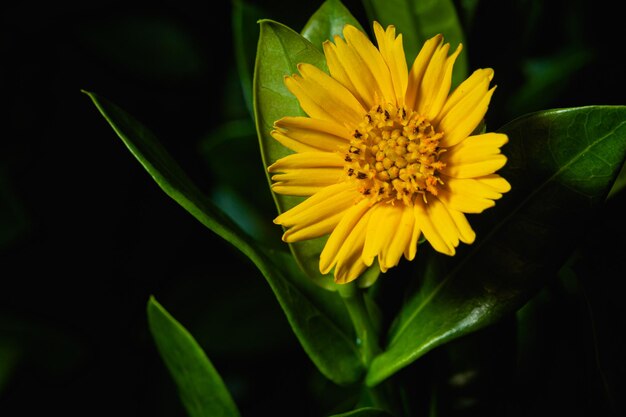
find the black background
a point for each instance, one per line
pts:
(88, 236)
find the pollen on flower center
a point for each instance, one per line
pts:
(394, 155)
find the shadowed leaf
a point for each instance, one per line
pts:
(317, 317)
(200, 386)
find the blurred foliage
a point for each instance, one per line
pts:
(86, 236)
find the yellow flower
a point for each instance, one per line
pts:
(386, 155)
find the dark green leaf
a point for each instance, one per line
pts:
(620, 183)
(200, 386)
(245, 196)
(317, 317)
(245, 36)
(561, 166)
(419, 20)
(365, 412)
(327, 22)
(546, 79)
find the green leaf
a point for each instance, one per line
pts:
(245, 196)
(200, 386)
(620, 183)
(419, 20)
(327, 22)
(245, 38)
(318, 317)
(280, 50)
(546, 79)
(365, 412)
(561, 166)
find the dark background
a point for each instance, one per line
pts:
(86, 236)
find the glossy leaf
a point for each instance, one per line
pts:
(561, 166)
(317, 317)
(419, 20)
(327, 22)
(200, 386)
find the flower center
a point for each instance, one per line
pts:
(394, 155)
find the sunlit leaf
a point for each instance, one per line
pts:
(419, 20)
(561, 166)
(327, 22)
(317, 317)
(199, 384)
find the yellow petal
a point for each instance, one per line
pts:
(437, 81)
(486, 143)
(401, 239)
(392, 50)
(442, 221)
(372, 59)
(495, 182)
(477, 83)
(307, 160)
(474, 165)
(322, 97)
(431, 233)
(466, 233)
(314, 227)
(303, 134)
(328, 257)
(297, 190)
(418, 68)
(411, 249)
(467, 195)
(475, 156)
(339, 191)
(307, 177)
(316, 212)
(390, 221)
(304, 174)
(465, 203)
(349, 263)
(463, 118)
(347, 67)
(374, 234)
(469, 186)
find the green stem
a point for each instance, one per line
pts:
(367, 337)
(383, 395)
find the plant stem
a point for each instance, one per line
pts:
(384, 395)
(367, 337)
